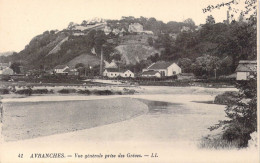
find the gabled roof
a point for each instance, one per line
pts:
(160, 65)
(112, 70)
(116, 70)
(60, 67)
(67, 70)
(246, 66)
(150, 72)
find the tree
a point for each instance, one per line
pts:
(210, 20)
(189, 21)
(249, 8)
(206, 65)
(185, 64)
(79, 65)
(16, 67)
(71, 25)
(84, 22)
(242, 114)
(154, 58)
(150, 41)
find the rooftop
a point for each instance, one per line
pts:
(150, 72)
(60, 67)
(248, 61)
(115, 70)
(246, 66)
(160, 65)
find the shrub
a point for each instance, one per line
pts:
(24, 91)
(67, 91)
(103, 92)
(129, 91)
(226, 98)
(40, 91)
(242, 114)
(84, 92)
(118, 93)
(217, 143)
(4, 91)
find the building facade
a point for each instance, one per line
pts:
(113, 73)
(164, 68)
(60, 69)
(245, 69)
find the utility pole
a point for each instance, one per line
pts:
(215, 73)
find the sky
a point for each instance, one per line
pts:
(21, 20)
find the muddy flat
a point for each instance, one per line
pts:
(24, 120)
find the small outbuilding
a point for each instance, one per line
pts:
(245, 69)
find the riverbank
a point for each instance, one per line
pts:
(172, 126)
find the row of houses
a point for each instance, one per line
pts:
(158, 70)
(244, 70)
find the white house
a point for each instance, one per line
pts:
(107, 30)
(5, 69)
(114, 72)
(128, 74)
(60, 69)
(135, 27)
(116, 31)
(245, 69)
(164, 68)
(151, 73)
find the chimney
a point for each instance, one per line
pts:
(101, 62)
(228, 17)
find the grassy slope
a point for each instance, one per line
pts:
(86, 59)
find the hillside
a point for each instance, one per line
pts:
(134, 53)
(136, 41)
(86, 59)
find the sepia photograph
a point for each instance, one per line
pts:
(163, 81)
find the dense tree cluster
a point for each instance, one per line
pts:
(242, 113)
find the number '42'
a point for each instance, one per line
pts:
(20, 155)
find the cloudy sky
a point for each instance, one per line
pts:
(21, 20)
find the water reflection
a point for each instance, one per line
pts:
(161, 107)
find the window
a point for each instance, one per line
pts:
(174, 72)
(130, 75)
(125, 74)
(111, 74)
